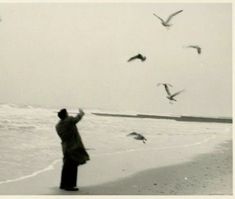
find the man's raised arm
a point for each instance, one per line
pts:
(79, 116)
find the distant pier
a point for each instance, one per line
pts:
(177, 118)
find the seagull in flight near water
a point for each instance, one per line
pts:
(139, 56)
(166, 22)
(138, 136)
(169, 95)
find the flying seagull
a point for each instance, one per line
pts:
(198, 48)
(133, 133)
(169, 95)
(138, 136)
(139, 56)
(166, 22)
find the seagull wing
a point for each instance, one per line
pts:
(158, 84)
(193, 46)
(158, 17)
(132, 58)
(197, 47)
(172, 15)
(167, 89)
(199, 50)
(177, 93)
(132, 134)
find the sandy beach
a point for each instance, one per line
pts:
(201, 168)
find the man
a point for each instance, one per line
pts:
(73, 149)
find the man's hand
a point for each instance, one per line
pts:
(81, 112)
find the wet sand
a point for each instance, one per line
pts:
(207, 173)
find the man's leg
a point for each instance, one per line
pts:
(69, 175)
(65, 173)
(74, 171)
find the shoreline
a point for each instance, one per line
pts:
(208, 173)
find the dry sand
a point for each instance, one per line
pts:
(207, 174)
(201, 169)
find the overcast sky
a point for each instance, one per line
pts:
(75, 54)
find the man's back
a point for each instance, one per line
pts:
(68, 132)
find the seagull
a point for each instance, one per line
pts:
(169, 95)
(139, 56)
(166, 22)
(133, 133)
(199, 50)
(138, 136)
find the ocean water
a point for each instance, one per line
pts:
(29, 144)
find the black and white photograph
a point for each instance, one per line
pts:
(116, 98)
